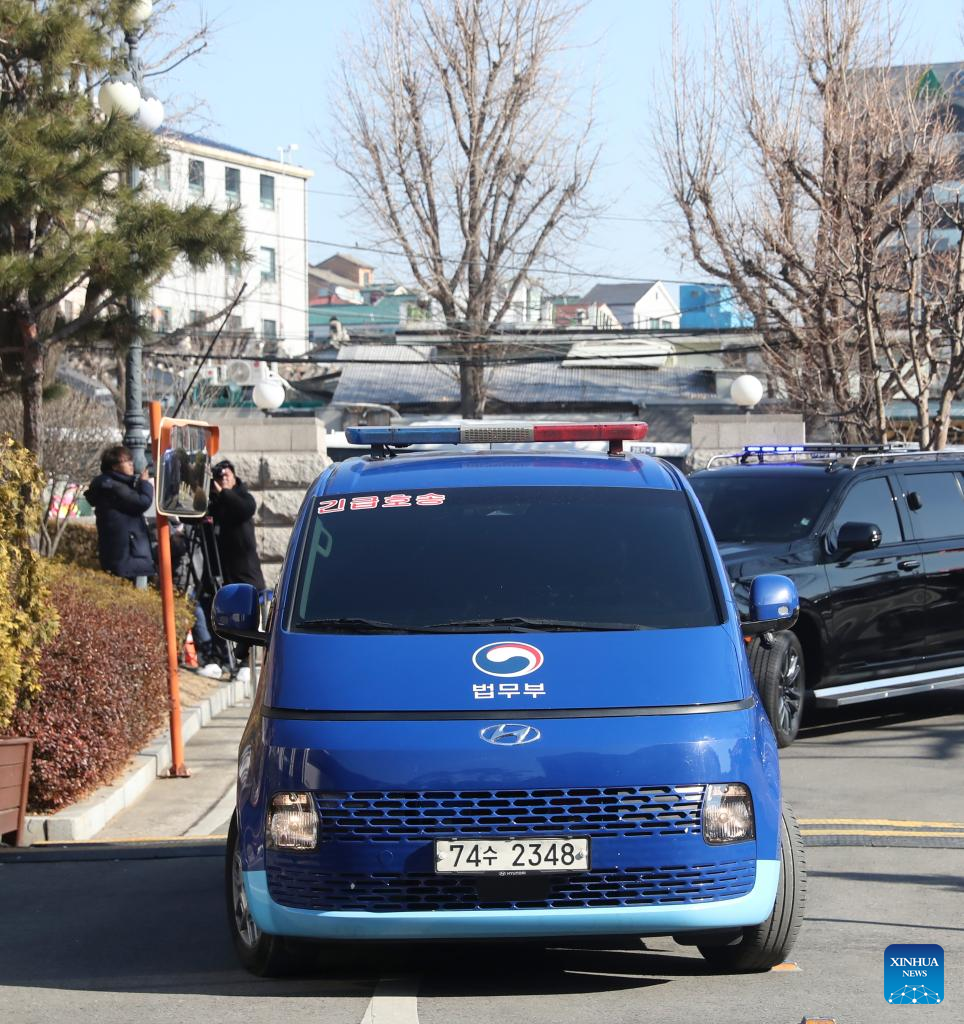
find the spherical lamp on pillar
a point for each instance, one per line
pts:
(746, 391)
(269, 394)
(119, 96)
(150, 113)
(140, 12)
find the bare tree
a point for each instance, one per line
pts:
(465, 144)
(76, 429)
(796, 174)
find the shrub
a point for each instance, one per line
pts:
(25, 618)
(78, 544)
(104, 684)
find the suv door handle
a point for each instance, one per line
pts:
(908, 564)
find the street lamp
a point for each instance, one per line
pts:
(269, 393)
(746, 391)
(126, 97)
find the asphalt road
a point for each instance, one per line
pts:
(136, 932)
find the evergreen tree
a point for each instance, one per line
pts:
(68, 218)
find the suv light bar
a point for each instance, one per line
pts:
(401, 437)
(824, 448)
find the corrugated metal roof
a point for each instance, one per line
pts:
(407, 375)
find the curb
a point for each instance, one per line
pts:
(85, 819)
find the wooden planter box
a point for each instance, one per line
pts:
(15, 758)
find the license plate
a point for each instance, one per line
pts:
(510, 856)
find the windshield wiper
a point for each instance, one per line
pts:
(355, 626)
(513, 624)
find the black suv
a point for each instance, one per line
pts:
(873, 537)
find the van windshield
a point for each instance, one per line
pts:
(503, 559)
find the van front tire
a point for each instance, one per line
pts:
(268, 956)
(768, 944)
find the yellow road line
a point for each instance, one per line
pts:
(133, 839)
(881, 821)
(874, 832)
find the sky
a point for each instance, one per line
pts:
(265, 82)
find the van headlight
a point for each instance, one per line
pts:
(728, 813)
(292, 822)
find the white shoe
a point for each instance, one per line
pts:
(244, 675)
(212, 671)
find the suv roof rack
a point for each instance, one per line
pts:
(828, 452)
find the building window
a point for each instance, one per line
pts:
(269, 329)
(232, 183)
(162, 176)
(162, 319)
(196, 316)
(268, 272)
(233, 267)
(653, 325)
(195, 176)
(234, 324)
(267, 191)
(665, 323)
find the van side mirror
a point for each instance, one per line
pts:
(184, 468)
(774, 605)
(236, 614)
(853, 537)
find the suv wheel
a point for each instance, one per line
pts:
(768, 944)
(270, 956)
(779, 674)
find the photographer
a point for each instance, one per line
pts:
(233, 508)
(120, 498)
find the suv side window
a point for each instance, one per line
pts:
(936, 504)
(870, 501)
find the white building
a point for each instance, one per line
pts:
(638, 305)
(271, 197)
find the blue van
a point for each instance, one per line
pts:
(506, 695)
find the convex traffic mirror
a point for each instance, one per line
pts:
(184, 467)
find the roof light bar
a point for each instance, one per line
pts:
(402, 436)
(828, 447)
(495, 434)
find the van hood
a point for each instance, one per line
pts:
(504, 674)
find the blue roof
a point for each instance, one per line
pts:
(440, 470)
(200, 140)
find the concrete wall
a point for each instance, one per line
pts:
(277, 459)
(716, 435)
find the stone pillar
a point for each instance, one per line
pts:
(719, 435)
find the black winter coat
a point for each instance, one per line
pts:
(233, 511)
(123, 544)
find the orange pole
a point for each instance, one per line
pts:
(166, 579)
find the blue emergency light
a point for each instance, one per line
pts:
(773, 449)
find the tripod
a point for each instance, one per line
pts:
(199, 568)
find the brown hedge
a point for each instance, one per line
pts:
(104, 685)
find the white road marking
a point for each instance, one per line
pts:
(215, 818)
(395, 1001)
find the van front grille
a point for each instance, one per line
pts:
(607, 811)
(295, 883)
